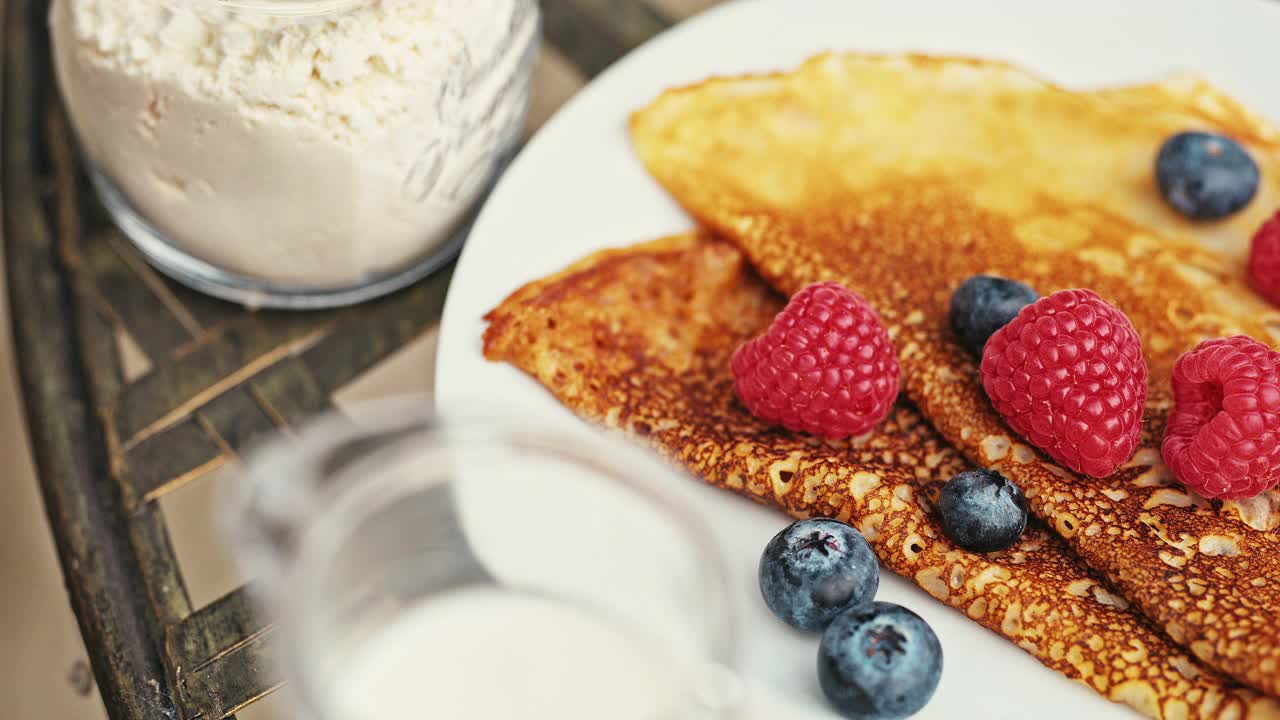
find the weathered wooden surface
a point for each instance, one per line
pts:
(108, 446)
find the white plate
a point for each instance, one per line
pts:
(577, 188)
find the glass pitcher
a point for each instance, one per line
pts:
(478, 568)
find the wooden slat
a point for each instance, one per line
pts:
(95, 324)
(288, 392)
(228, 684)
(221, 653)
(98, 346)
(165, 586)
(237, 418)
(217, 363)
(83, 505)
(154, 283)
(206, 310)
(357, 342)
(213, 629)
(165, 462)
(157, 333)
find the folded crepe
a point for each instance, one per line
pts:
(640, 339)
(901, 176)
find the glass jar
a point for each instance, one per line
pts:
(478, 568)
(295, 153)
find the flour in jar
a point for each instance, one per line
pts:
(315, 151)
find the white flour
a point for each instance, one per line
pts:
(311, 151)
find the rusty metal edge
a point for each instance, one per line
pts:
(85, 513)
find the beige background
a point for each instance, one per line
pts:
(43, 673)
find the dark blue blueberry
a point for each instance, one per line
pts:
(982, 305)
(1205, 176)
(982, 511)
(816, 569)
(879, 663)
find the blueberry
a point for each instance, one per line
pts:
(983, 304)
(879, 663)
(1205, 176)
(982, 511)
(816, 569)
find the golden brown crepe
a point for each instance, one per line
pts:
(900, 176)
(640, 339)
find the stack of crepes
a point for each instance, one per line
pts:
(900, 177)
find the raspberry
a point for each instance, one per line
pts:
(1223, 437)
(826, 365)
(1068, 375)
(1264, 260)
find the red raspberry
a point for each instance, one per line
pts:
(1223, 437)
(1264, 260)
(1068, 375)
(826, 365)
